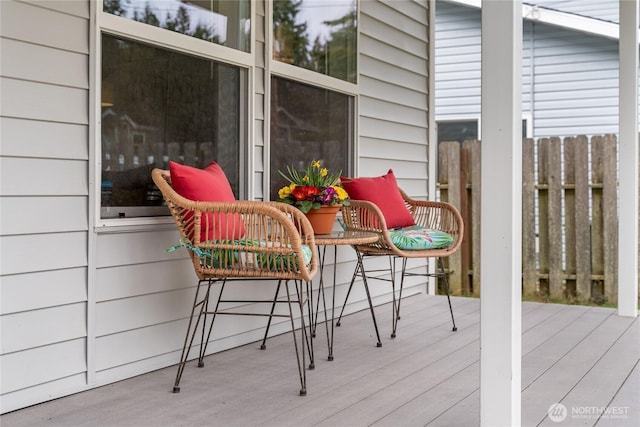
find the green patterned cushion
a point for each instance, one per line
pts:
(223, 258)
(417, 237)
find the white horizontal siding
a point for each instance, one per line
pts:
(378, 69)
(29, 22)
(40, 101)
(35, 328)
(24, 215)
(43, 177)
(23, 292)
(121, 249)
(26, 61)
(42, 364)
(381, 148)
(29, 138)
(394, 48)
(35, 252)
(385, 130)
(134, 280)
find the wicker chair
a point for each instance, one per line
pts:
(366, 216)
(277, 238)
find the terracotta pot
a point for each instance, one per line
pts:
(322, 219)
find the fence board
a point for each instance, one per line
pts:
(597, 216)
(549, 164)
(610, 218)
(543, 214)
(582, 240)
(529, 274)
(570, 213)
(465, 211)
(449, 174)
(473, 148)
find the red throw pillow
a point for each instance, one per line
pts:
(208, 185)
(383, 192)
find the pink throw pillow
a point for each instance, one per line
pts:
(383, 192)
(208, 185)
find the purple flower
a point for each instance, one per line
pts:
(327, 196)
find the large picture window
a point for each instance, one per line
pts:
(224, 22)
(160, 105)
(309, 123)
(317, 35)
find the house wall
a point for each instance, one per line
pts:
(44, 125)
(569, 83)
(83, 304)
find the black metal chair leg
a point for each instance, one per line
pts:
(301, 363)
(446, 287)
(308, 338)
(366, 288)
(359, 266)
(205, 342)
(186, 347)
(396, 303)
(404, 269)
(263, 346)
(314, 316)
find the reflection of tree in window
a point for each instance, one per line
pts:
(182, 19)
(333, 54)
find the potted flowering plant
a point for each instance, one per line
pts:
(312, 188)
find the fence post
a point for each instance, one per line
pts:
(529, 274)
(449, 174)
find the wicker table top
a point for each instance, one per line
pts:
(346, 238)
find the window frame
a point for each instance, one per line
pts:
(107, 23)
(301, 75)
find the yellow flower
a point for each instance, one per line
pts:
(324, 172)
(316, 164)
(305, 178)
(284, 192)
(341, 192)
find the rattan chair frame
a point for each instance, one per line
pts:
(363, 215)
(270, 249)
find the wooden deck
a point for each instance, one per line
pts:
(583, 357)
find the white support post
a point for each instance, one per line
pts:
(501, 213)
(628, 144)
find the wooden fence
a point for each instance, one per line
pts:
(569, 216)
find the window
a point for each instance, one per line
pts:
(224, 22)
(317, 35)
(467, 130)
(457, 130)
(160, 105)
(309, 123)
